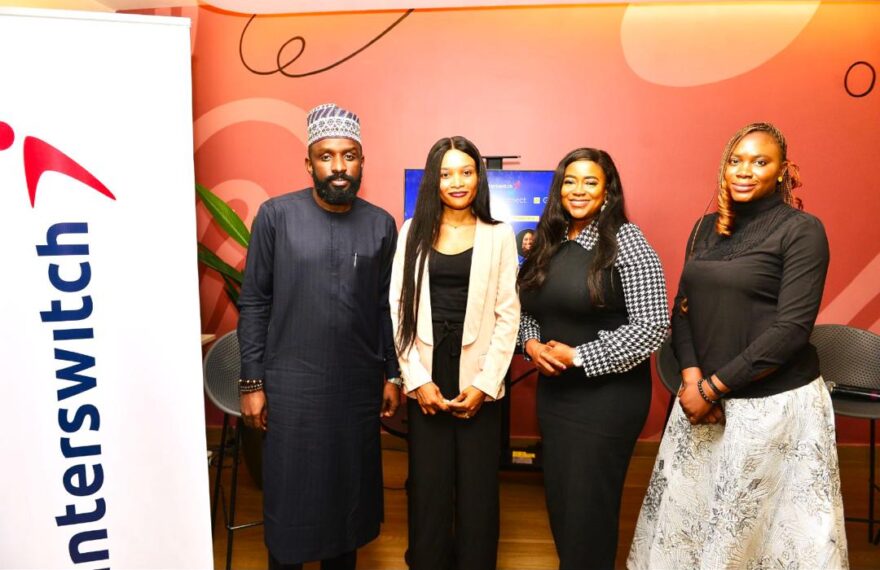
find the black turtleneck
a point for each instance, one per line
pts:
(752, 298)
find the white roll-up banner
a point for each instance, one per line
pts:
(103, 438)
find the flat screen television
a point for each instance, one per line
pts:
(517, 197)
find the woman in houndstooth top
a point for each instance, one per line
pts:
(594, 309)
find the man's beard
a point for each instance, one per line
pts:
(337, 196)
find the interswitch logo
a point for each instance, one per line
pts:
(41, 157)
(69, 316)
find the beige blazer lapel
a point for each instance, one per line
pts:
(481, 263)
(425, 325)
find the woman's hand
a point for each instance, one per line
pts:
(692, 403)
(695, 408)
(430, 399)
(541, 355)
(468, 403)
(562, 353)
(714, 416)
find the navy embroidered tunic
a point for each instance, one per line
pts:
(315, 325)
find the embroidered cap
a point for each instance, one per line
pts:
(331, 121)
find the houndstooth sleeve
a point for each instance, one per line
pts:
(644, 291)
(528, 329)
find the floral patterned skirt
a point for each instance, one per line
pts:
(760, 492)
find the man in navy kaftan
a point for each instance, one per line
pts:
(316, 350)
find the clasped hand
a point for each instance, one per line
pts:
(463, 406)
(550, 359)
(695, 408)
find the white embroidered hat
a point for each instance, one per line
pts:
(331, 121)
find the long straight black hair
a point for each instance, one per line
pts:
(555, 220)
(424, 228)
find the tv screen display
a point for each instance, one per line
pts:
(517, 197)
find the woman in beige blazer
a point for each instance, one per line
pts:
(456, 314)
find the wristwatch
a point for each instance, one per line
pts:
(577, 361)
(397, 381)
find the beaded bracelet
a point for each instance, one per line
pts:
(246, 386)
(703, 393)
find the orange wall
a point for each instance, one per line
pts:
(661, 87)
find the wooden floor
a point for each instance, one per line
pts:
(525, 543)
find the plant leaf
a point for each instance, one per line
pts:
(231, 289)
(226, 217)
(210, 259)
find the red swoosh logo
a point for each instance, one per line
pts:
(41, 157)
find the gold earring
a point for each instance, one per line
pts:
(779, 179)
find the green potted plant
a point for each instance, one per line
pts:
(234, 226)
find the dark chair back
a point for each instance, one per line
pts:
(851, 357)
(667, 366)
(222, 367)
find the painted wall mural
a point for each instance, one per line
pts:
(660, 86)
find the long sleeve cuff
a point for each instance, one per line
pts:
(528, 329)
(253, 370)
(392, 369)
(686, 356)
(682, 337)
(734, 374)
(620, 350)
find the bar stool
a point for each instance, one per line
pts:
(222, 366)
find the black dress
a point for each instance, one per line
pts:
(453, 463)
(590, 422)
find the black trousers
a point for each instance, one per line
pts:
(453, 489)
(453, 474)
(346, 561)
(589, 427)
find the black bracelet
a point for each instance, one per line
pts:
(246, 386)
(703, 393)
(715, 389)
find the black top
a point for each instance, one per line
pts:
(752, 299)
(639, 289)
(563, 306)
(315, 292)
(449, 279)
